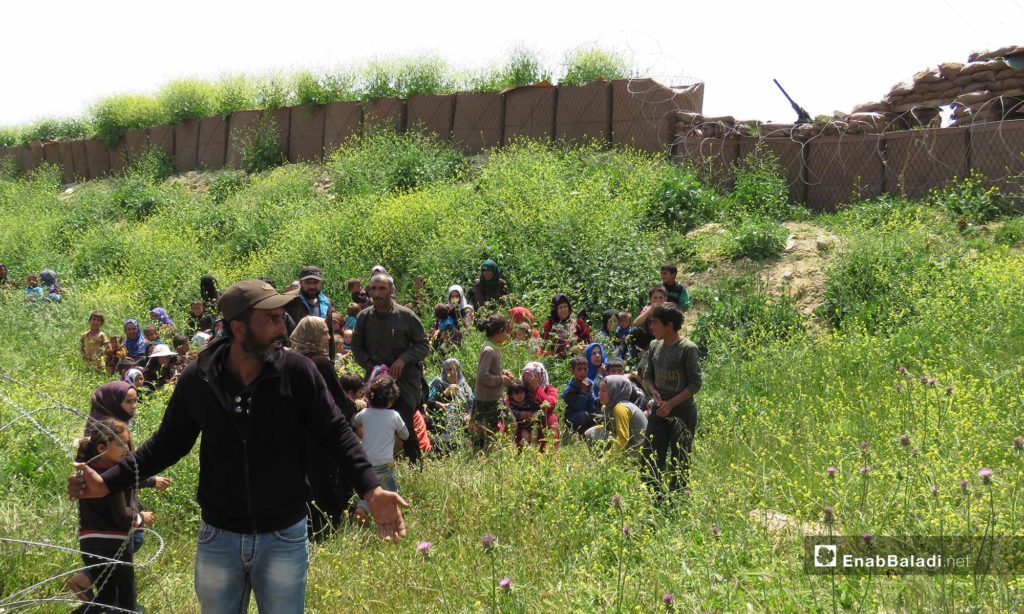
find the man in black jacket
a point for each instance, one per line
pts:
(255, 405)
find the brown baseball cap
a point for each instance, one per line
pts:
(251, 294)
(310, 272)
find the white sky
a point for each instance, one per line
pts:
(60, 56)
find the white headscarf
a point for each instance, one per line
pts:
(537, 367)
(463, 303)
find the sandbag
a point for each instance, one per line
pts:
(871, 107)
(980, 56)
(987, 66)
(950, 70)
(973, 97)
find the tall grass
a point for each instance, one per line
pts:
(779, 404)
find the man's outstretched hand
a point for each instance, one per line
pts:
(86, 484)
(386, 509)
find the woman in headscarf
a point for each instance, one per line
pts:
(5, 283)
(624, 422)
(596, 362)
(448, 404)
(564, 329)
(490, 286)
(116, 399)
(159, 314)
(330, 492)
(135, 343)
(208, 292)
(535, 376)
(51, 288)
(134, 377)
(460, 308)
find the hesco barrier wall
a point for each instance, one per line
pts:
(637, 112)
(827, 170)
(823, 170)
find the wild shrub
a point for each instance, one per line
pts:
(972, 202)
(140, 189)
(681, 201)
(760, 188)
(585, 65)
(742, 319)
(1011, 232)
(272, 91)
(234, 93)
(381, 161)
(186, 99)
(113, 116)
(11, 136)
(258, 145)
(64, 129)
(323, 89)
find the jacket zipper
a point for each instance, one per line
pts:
(226, 405)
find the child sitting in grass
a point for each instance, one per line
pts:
(379, 426)
(523, 407)
(93, 343)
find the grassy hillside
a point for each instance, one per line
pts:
(917, 330)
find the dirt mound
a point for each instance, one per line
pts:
(797, 273)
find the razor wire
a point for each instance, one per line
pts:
(20, 598)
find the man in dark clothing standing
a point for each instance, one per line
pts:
(388, 334)
(312, 301)
(256, 406)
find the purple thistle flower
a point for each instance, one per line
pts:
(986, 475)
(830, 514)
(424, 548)
(715, 531)
(949, 391)
(904, 439)
(625, 531)
(505, 583)
(935, 490)
(864, 469)
(864, 446)
(867, 537)
(1018, 443)
(831, 471)
(487, 541)
(617, 502)
(931, 381)
(667, 599)
(924, 379)
(902, 370)
(965, 486)
(899, 388)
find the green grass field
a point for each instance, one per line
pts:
(933, 287)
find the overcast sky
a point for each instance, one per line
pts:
(58, 57)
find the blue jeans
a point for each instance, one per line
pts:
(386, 475)
(272, 564)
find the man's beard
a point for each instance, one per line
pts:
(311, 294)
(264, 352)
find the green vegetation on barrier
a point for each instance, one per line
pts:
(921, 333)
(184, 99)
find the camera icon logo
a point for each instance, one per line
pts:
(825, 555)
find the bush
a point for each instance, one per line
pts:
(758, 239)
(681, 201)
(11, 136)
(234, 93)
(523, 67)
(873, 280)
(971, 201)
(423, 75)
(382, 161)
(761, 189)
(1010, 233)
(742, 318)
(68, 129)
(323, 89)
(113, 116)
(226, 183)
(273, 91)
(139, 190)
(187, 99)
(258, 145)
(588, 64)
